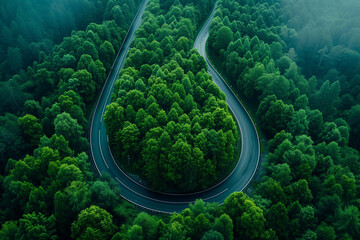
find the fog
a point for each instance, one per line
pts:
(31, 26)
(325, 35)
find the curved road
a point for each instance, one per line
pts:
(162, 202)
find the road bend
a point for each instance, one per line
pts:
(144, 197)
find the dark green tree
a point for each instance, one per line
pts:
(223, 37)
(96, 218)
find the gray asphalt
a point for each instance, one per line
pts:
(162, 202)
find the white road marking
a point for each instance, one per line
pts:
(101, 120)
(101, 152)
(205, 199)
(152, 199)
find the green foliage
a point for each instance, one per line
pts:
(68, 127)
(135, 232)
(107, 54)
(8, 230)
(47, 190)
(167, 109)
(274, 114)
(309, 166)
(157, 123)
(24, 27)
(249, 221)
(212, 235)
(86, 84)
(223, 37)
(149, 225)
(12, 142)
(319, 51)
(31, 128)
(277, 219)
(352, 117)
(12, 95)
(99, 220)
(36, 226)
(323, 231)
(224, 225)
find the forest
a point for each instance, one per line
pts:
(294, 63)
(172, 121)
(307, 105)
(30, 27)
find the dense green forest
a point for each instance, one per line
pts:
(29, 30)
(30, 27)
(43, 192)
(310, 189)
(332, 54)
(79, 64)
(305, 96)
(168, 120)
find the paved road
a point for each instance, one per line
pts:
(167, 203)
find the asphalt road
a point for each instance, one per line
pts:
(162, 202)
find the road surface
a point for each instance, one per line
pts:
(162, 202)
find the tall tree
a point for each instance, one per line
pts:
(97, 219)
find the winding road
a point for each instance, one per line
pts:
(162, 202)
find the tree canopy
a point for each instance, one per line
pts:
(158, 124)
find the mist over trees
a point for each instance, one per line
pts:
(40, 75)
(325, 36)
(29, 28)
(295, 62)
(311, 118)
(61, 81)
